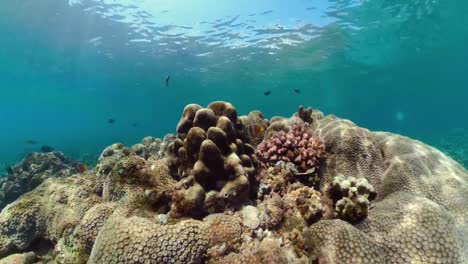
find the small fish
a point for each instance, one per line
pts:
(168, 78)
(82, 167)
(30, 142)
(255, 130)
(134, 124)
(297, 91)
(267, 93)
(111, 121)
(46, 148)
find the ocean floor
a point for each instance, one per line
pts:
(243, 189)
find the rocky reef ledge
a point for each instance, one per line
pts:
(244, 189)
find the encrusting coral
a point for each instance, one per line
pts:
(374, 197)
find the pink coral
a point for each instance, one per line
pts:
(299, 145)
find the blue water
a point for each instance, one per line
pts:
(66, 67)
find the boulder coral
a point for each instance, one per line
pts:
(139, 240)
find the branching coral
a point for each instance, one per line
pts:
(299, 145)
(351, 197)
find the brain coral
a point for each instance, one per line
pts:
(351, 151)
(211, 147)
(299, 145)
(139, 240)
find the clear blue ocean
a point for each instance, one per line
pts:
(68, 67)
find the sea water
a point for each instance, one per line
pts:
(68, 67)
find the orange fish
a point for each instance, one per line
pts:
(82, 167)
(255, 130)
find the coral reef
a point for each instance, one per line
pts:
(201, 197)
(212, 156)
(32, 171)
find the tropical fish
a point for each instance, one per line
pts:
(111, 121)
(46, 148)
(297, 91)
(267, 93)
(255, 130)
(30, 142)
(168, 78)
(82, 167)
